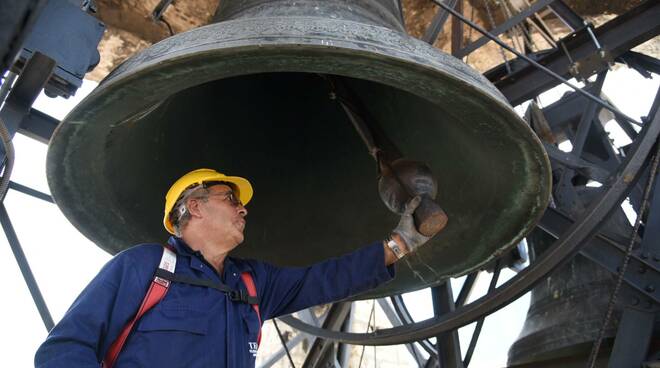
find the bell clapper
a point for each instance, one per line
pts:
(400, 179)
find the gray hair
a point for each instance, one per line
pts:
(179, 216)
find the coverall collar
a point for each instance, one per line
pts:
(184, 249)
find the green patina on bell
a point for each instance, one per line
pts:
(246, 96)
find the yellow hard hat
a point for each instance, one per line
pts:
(199, 176)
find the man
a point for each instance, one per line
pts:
(196, 326)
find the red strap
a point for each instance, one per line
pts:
(155, 294)
(252, 291)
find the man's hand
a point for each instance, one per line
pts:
(406, 229)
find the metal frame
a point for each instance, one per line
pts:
(518, 82)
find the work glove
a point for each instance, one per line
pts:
(406, 228)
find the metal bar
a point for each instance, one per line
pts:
(466, 289)
(617, 37)
(286, 348)
(275, 357)
(542, 68)
(403, 313)
(437, 23)
(571, 161)
(587, 118)
(457, 30)
(449, 348)
(632, 339)
(636, 59)
(31, 81)
(510, 23)
(480, 322)
(160, 8)
(336, 316)
(25, 268)
(395, 321)
(31, 192)
(567, 15)
(561, 251)
(38, 126)
(607, 253)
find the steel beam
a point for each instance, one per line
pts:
(567, 15)
(616, 37)
(437, 23)
(29, 84)
(457, 30)
(510, 23)
(31, 192)
(448, 346)
(585, 168)
(608, 253)
(336, 317)
(25, 268)
(632, 339)
(38, 125)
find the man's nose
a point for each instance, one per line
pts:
(242, 210)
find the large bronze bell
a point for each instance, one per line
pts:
(247, 96)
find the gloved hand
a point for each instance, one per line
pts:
(406, 228)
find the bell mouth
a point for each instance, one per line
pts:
(251, 103)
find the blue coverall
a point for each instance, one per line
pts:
(196, 326)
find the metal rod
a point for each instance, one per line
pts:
(31, 192)
(480, 322)
(539, 66)
(448, 346)
(25, 268)
(466, 289)
(437, 24)
(286, 348)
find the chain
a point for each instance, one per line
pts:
(622, 270)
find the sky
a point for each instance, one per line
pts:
(64, 261)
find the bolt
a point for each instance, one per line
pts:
(635, 300)
(641, 269)
(650, 288)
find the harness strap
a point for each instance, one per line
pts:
(252, 291)
(234, 295)
(155, 294)
(163, 277)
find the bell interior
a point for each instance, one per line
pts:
(315, 184)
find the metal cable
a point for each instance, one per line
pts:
(622, 270)
(286, 348)
(373, 309)
(539, 66)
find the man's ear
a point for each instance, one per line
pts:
(193, 207)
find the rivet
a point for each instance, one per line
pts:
(635, 301)
(641, 269)
(650, 288)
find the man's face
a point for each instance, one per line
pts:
(222, 215)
